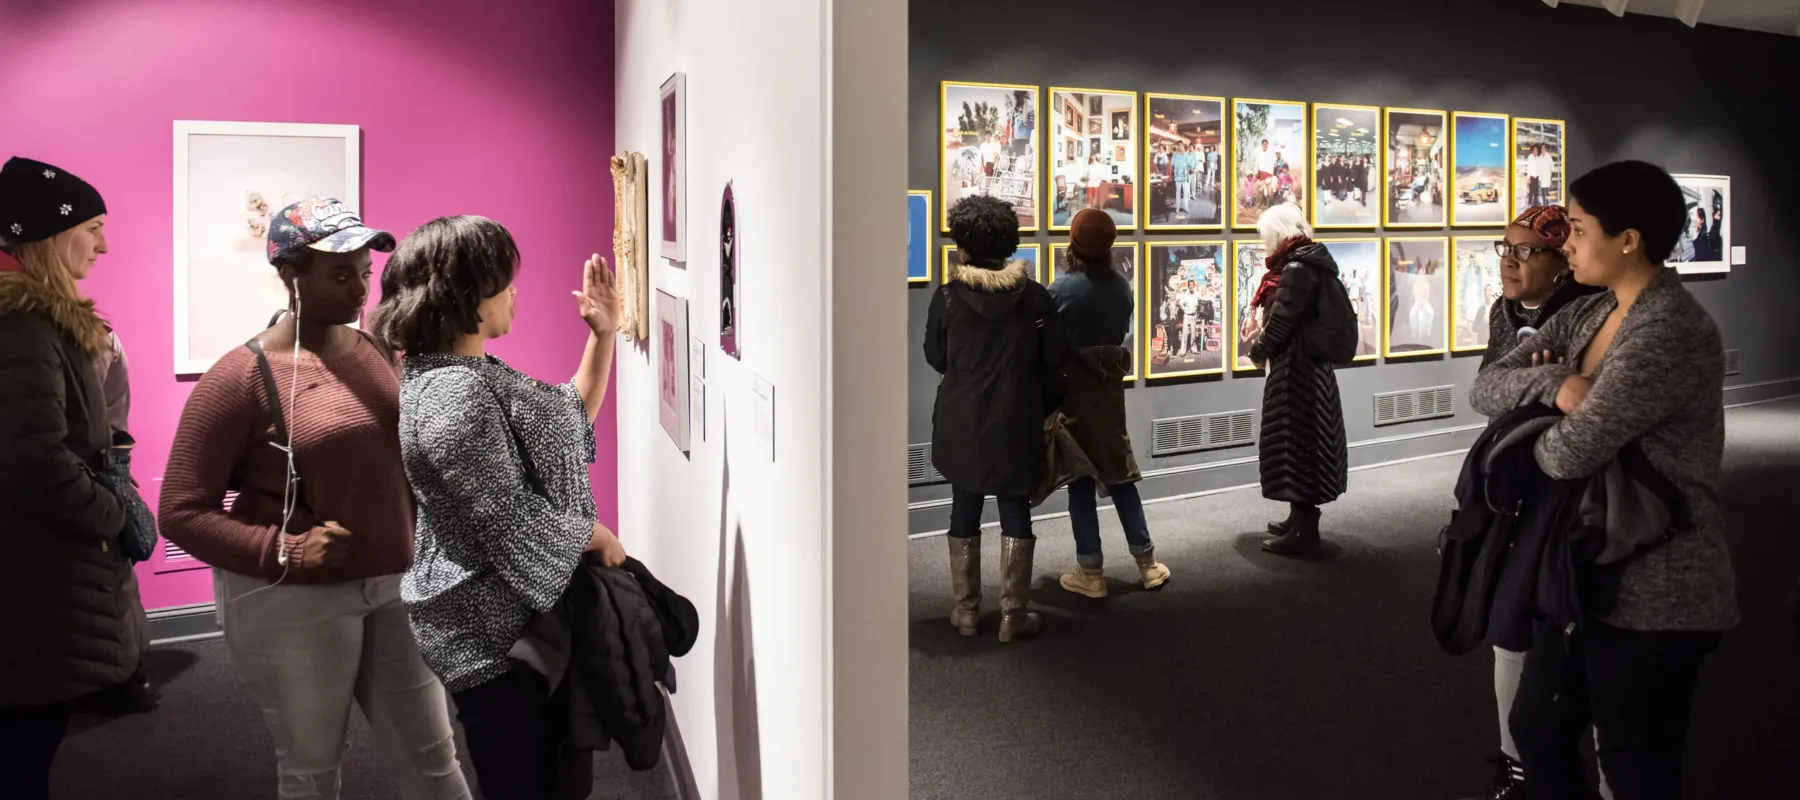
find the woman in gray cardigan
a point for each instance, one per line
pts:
(1641, 362)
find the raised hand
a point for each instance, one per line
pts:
(599, 301)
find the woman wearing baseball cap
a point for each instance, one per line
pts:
(303, 422)
(66, 581)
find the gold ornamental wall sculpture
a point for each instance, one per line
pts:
(631, 258)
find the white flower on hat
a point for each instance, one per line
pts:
(49, 174)
(17, 229)
(66, 208)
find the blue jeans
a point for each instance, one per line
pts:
(965, 514)
(1084, 517)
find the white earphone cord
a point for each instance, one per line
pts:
(290, 494)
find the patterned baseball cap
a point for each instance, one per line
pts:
(324, 224)
(1550, 222)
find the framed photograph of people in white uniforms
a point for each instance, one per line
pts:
(989, 147)
(1183, 308)
(1347, 166)
(1418, 296)
(1124, 262)
(1103, 177)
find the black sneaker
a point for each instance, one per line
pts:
(1509, 779)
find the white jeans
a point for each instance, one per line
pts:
(307, 651)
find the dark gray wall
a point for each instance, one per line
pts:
(1706, 100)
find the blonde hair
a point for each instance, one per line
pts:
(1281, 223)
(44, 268)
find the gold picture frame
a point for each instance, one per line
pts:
(1503, 201)
(1131, 276)
(1243, 289)
(1387, 169)
(1032, 192)
(1388, 297)
(1300, 181)
(1375, 135)
(1037, 260)
(1146, 302)
(1375, 297)
(1456, 289)
(1519, 204)
(1082, 113)
(1145, 186)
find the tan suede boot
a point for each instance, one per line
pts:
(1016, 622)
(965, 584)
(1085, 582)
(1153, 574)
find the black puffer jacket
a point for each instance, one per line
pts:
(994, 336)
(622, 641)
(1303, 455)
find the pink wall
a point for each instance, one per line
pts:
(466, 107)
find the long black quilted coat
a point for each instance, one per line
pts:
(1302, 453)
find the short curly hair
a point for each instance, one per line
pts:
(1635, 195)
(986, 229)
(433, 285)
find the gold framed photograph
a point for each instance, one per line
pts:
(1268, 157)
(989, 138)
(1478, 168)
(1027, 253)
(1539, 168)
(1359, 267)
(1347, 166)
(1249, 260)
(1124, 262)
(1474, 289)
(1104, 174)
(1414, 156)
(1184, 159)
(1184, 315)
(1417, 290)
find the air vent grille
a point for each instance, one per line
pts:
(1176, 435)
(172, 553)
(919, 470)
(1412, 405)
(1731, 362)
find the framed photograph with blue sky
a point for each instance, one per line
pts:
(918, 236)
(1478, 154)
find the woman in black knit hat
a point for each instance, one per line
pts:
(67, 581)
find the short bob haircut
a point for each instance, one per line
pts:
(433, 285)
(986, 230)
(1635, 195)
(1281, 223)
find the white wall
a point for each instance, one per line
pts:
(818, 637)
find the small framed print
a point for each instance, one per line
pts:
(673, 392)
(674, 169)
(1705, 244)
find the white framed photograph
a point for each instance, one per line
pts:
(674, 169)
(229, 177)
(670, 333)
(1705, 245)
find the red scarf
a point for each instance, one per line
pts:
(1271, 280)
(10, 264)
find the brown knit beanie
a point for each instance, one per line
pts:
(1092, 233)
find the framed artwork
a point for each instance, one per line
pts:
(1248, 263)
(1478, 167)
(1538, 166)
(229, 177)
(1415, 154)
(1105, 176)
(631, 254)
(1705, 244)
(1347, 166)
(918, 237)
(990, 147)
(1474, 286)
(1027, 253)
(1184, 309)
(671, 338)
(1094, 126)
(730, 315)
(1359, 267)
(1183, 156)
(1268, 158)
(1418, 294)
(674, 168)
(1124, 261)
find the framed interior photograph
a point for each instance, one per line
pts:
(1538, 167)
(731, 321)
(1027, 254)
(918, 237)
(1248, 263)
(1105, 176)
(1183, 304)
(674, 169)
(229, 177)
(1705, 245)
(1184, 146)
(990, 147)
(1478, 169)
(1474, 288)
(1124, 262)
(1418, 296)
(1359, 267)
(1268, 158)
(1415, 153)
(671, 341)
(1347, 169)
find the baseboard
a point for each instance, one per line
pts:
(184, 624)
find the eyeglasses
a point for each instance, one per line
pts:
(1522, 252)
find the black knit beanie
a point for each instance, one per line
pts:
(38, 201)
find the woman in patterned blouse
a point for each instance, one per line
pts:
(498, 462)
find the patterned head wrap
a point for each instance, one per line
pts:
(1550, 222)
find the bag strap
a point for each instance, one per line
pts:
(273, 392)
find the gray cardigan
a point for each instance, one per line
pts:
(1659, 384)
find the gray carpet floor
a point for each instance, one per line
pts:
(1253, 677)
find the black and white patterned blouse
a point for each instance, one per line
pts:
(491, 552)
